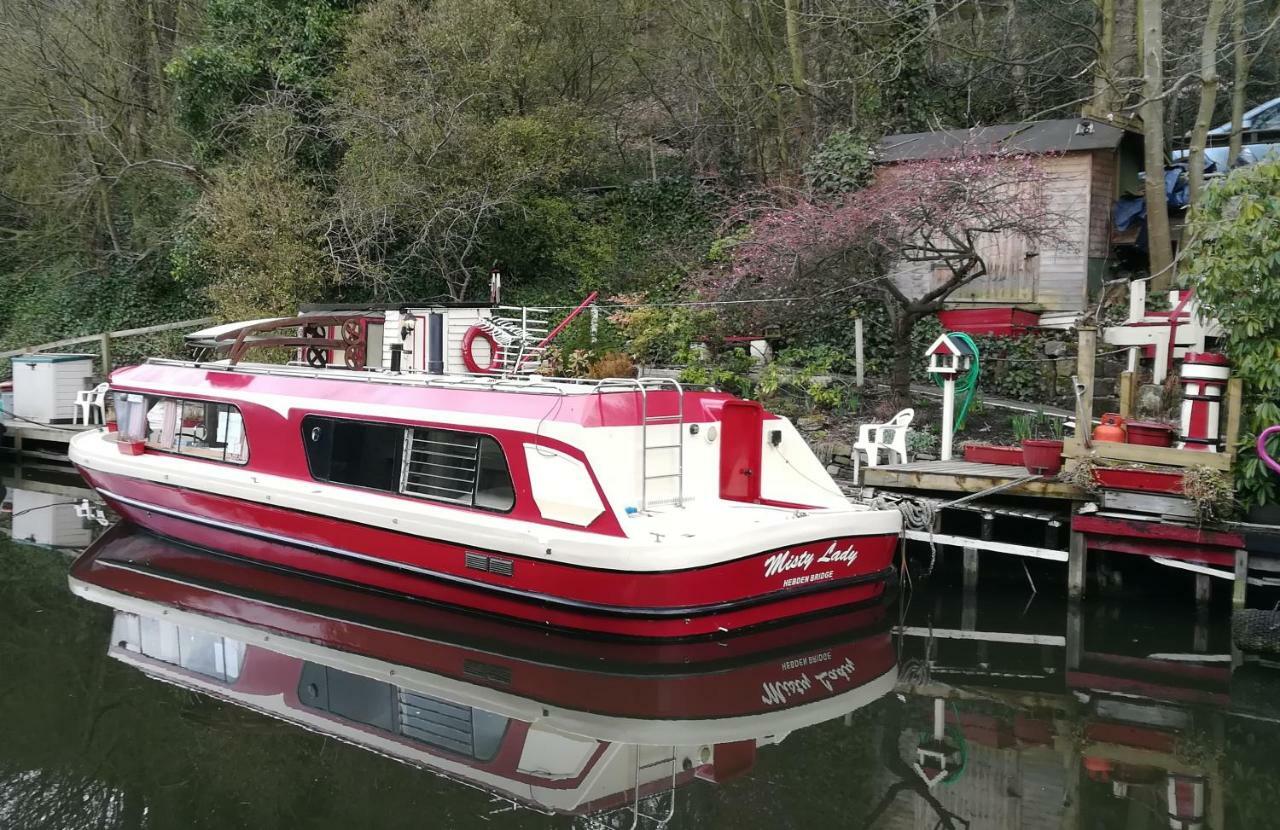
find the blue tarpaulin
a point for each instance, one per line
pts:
(1133, 209)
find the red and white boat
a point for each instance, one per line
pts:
(548, 721)
(623, 507)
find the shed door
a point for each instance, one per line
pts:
(1013, 271)
(741, 439)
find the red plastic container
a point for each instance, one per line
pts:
(993, 454)
(1149, 433)
(1146, 481)
(1042, 456)
(131, 447)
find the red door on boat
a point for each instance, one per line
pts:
(741, 429)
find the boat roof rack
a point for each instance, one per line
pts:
(533, 384)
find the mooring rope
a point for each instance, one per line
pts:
(919, 513)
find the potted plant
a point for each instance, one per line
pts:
(1041, 439)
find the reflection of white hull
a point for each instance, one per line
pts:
(606, 728)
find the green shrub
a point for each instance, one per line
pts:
(1233, 260)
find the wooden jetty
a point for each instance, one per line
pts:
(45, 441)
(1159, 526)
(50, 441)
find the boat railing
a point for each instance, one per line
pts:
(671, 473)
(418, 377)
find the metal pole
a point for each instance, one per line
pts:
(595, 322)
(857, 349)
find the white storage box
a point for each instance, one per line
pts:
(45, 385)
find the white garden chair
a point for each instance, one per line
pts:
(89, 400)
(890, 436)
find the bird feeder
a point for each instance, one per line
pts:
(949, 357)
(937, 758)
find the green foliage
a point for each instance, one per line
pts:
(1016, 367)
(840, 164)
(255, 246)
(658, 335)
(1233, 259)
(923, 440)
(251, 47)
(1036, 425)
(729, 370)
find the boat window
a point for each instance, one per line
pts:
(203, 429)
(196, 651)
(457, 467)
(463, 730)
(353, 452)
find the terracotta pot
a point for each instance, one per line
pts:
(1042, 456)
(993, 454)
(1149, 433)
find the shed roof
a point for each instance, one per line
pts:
(1063, 135)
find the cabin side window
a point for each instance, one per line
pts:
(457, 467)
(356, 453)
(201, 429)
(437, 464)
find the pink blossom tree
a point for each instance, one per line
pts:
(943, 213)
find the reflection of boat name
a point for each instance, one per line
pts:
(787, 561)
(842, 672)
(820, 657)
(780, 691)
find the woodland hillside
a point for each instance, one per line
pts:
(162, 159)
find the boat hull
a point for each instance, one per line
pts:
(761, 587)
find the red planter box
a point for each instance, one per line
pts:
(993, 454)
(1149, 433)
(1004, 322)
(1145, 481)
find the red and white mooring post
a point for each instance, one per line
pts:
(1204, 380)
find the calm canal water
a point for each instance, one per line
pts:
(182, 691)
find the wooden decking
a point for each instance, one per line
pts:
(957, 476)
(48, 441)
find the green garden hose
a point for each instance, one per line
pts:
(966, 384)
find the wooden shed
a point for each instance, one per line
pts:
(1088, 164)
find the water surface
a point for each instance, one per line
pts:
(1054, 716)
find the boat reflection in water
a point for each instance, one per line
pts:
(553, 722)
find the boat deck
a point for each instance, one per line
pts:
(956, 476)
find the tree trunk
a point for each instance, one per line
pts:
(1104, 99)
(900, 376)
(1239, 81)
(799, 76)
(1208, 96)
(1160, 248)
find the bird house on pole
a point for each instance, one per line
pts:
(948, 357)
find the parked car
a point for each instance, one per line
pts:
(1262, 117)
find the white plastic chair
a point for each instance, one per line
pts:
(890, 436)
(88, 400)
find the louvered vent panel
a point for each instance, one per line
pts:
(441, 465)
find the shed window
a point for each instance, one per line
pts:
(202, 429)
(353, 452)
(457, 467)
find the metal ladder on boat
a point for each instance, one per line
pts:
(655, 809)
(644, 386)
